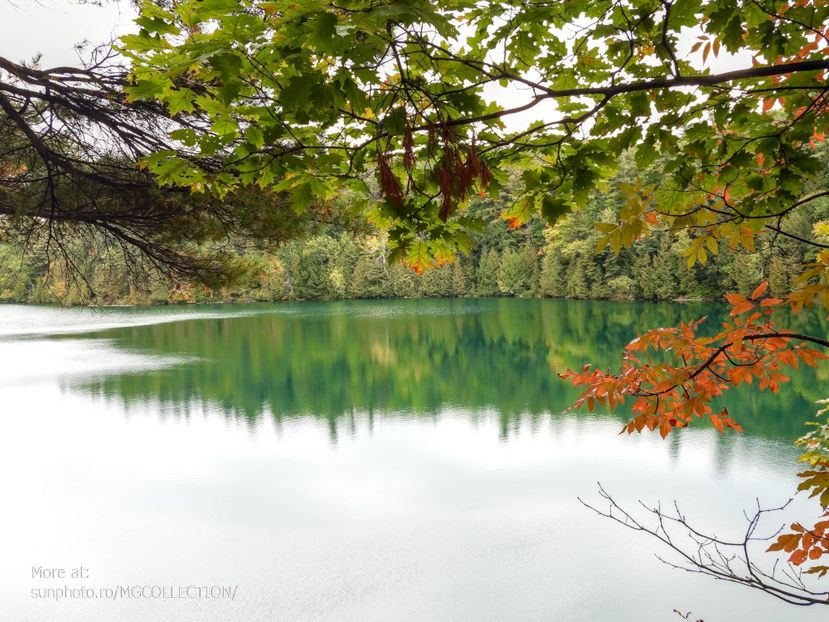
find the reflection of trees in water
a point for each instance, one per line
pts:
(415, 357)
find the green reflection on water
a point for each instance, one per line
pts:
(417, 357)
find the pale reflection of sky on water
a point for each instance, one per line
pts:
(405, 516)
(41, 320)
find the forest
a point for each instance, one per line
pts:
(341, 258)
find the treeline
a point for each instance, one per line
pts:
(333, 263)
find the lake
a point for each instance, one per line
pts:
(380, 460)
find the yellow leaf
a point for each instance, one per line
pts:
(712, 245)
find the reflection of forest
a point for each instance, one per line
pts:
(330, 360)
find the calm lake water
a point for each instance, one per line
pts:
(404, 460)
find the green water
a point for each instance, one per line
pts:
(401, 460)
(330, 360)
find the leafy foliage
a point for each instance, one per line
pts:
(313, 96)
(532, 260)
(668, 395)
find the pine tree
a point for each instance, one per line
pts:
(370, 279)
(437, 282)
(486, 281)
(518, 272)
(460, 287)
(552, 280)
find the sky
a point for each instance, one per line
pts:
(53, 27)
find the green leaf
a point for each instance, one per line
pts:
(553, 208)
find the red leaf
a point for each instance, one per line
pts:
(798, 557)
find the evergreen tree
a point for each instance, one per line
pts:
(517, 274)
(370, 279)
(437, 282)
(313, 277)
(460, 286)
(486, 280)
(403, 281)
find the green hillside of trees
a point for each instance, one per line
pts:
(344, 261)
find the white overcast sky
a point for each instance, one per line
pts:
(53, 27)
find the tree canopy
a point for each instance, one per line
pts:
(400, 98)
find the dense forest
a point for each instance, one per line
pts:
(343, 259)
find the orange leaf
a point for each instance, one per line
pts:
(798, 557)
(760, 290)
(742, 308)
(735, 299)
(771, 302)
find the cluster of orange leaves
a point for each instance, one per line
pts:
(415, 266)
(419, 266)
(672, 375)
(669, 376)
(806, 544)
(514, 222)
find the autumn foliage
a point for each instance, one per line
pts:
(670, 376)
(806, 544)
